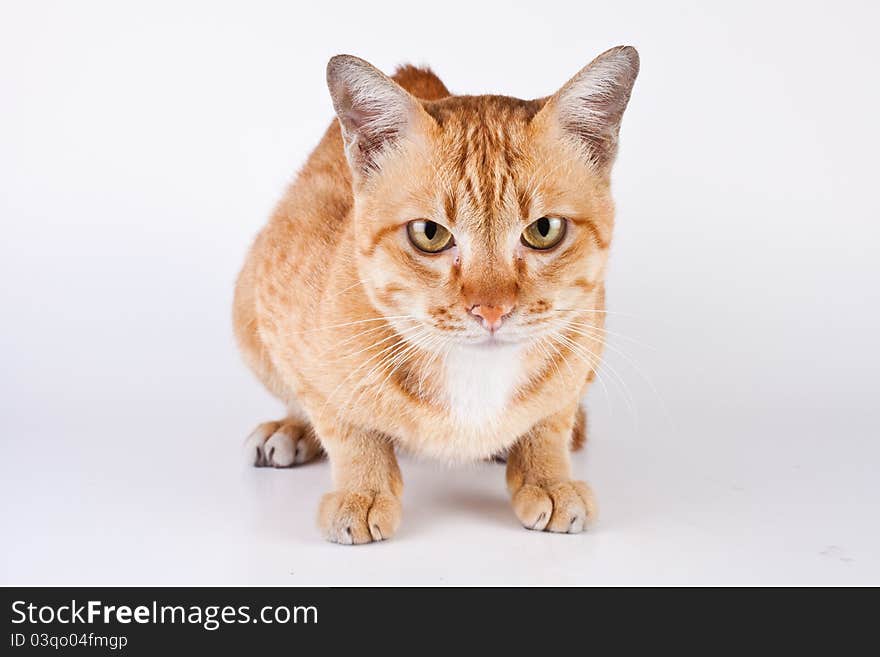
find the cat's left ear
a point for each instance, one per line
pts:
(374, 111)
(590, 106)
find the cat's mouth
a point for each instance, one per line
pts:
(491, 341)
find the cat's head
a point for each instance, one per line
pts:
(482, 219)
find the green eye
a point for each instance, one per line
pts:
(545, 233)
(429, 236)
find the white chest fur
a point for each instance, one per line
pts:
(480, 381)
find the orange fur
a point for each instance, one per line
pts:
(359, 332)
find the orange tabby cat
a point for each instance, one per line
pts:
(434, 280)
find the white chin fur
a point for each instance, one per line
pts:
(480, 381)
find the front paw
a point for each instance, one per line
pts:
(566, 507)
(352, 518)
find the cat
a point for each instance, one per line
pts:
(433, 280)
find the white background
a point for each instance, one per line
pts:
(142, 145)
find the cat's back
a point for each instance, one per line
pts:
(420, 82)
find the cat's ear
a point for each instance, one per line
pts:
(590, 106)
(374, 111)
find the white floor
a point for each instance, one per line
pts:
(747, 501)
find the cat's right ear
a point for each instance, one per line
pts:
(374, 111)
(590, 106)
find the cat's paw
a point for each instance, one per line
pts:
(281, 444)
(354, 518)
(566, 507)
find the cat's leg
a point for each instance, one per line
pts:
(283, 443)
(578, 436)
(286, 442)
(545, 497)
(365, 505)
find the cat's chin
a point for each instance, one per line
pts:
(491, 342)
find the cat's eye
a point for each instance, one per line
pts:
(429, 236)
(545, 233)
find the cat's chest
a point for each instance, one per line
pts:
(480, 382)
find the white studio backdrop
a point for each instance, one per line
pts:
(142, 145)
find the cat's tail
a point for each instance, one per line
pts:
(579, 433)
(420, 82)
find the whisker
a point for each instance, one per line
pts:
(344, 290)
(382, 354)
(598, 311)
(542, 345)
(361, 334)
(638, 370)
(593, 368)
(393, 363)
(384, 318)
(616, 334)
(628, 397)
(397, 333)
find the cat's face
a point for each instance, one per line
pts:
(482, 220)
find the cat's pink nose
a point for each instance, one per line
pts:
(492, 316)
